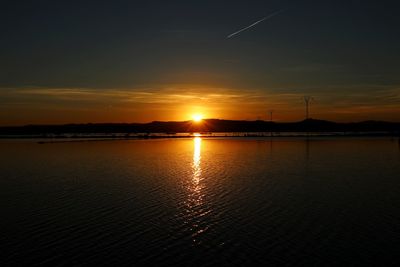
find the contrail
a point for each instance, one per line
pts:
(255, 23)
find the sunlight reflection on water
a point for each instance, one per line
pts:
(196, 162)
(195, 207)
(200, 201)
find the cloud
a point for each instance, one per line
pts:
(331, 95)
(177, 101)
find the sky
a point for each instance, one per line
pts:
(141, 61)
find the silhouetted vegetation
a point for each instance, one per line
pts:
(208, 126)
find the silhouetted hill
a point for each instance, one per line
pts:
(208, 125)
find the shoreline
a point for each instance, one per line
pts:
(45, 139)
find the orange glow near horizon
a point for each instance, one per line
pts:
(172, 103)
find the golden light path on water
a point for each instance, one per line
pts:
(196, 163)
(196, 209)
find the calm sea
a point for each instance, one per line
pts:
(201, 202)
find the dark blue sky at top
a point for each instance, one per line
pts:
(129, 44)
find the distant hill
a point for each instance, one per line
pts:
(208, 125)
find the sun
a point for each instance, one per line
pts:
(197, 117)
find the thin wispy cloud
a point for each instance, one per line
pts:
(175, 101)
(255, 23)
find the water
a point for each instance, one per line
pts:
(201, 202)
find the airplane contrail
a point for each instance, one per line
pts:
(255, 23)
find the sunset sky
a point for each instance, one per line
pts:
(139, 61)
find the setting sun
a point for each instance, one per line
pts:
(197, 117)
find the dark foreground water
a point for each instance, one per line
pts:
(201, 202)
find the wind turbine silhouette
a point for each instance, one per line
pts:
(271, 111)
(307, 100)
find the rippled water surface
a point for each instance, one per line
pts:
(201, 202)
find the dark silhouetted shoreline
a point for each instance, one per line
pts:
(208, 127)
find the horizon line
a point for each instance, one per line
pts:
(207, 119)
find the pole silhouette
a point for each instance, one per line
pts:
(307, 100)
(270, 114)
